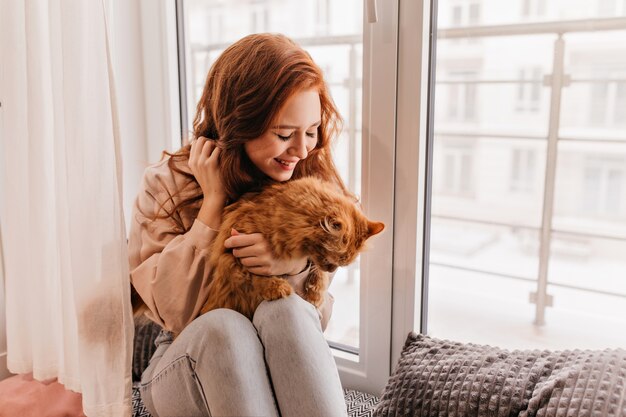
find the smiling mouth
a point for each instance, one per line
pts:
(284, 163)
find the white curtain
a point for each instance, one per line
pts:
(67, 291)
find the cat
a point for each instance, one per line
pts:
(304, 217)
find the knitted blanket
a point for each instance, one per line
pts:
(442, 378)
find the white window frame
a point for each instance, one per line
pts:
(412, 175)
(393, 180)
(369, 371)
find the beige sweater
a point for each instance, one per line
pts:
(170, 270)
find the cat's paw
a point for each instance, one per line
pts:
(314, 297)
(276, 288)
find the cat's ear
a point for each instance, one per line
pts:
(374, 228)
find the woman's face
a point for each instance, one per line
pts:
(290, 138)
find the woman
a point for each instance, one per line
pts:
(265, 116)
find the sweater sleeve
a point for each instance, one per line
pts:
(168, 269)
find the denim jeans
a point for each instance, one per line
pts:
(224, 365)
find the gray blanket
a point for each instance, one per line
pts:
(442, 378)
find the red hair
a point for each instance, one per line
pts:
(245, 89)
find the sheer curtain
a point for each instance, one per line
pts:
(67, 291)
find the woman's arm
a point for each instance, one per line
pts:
(167, 269)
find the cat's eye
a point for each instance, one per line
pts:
(336, 225)
(331, 225)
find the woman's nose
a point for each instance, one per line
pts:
(298, 147)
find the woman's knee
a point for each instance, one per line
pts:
(219, 329)
(286, 312)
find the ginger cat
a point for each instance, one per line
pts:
(304, 217)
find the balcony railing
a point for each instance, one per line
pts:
(556, 82)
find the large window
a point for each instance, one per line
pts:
(332, 33)
(509, 226)
(361, 82)
(528, 222)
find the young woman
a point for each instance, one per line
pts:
(265, 115)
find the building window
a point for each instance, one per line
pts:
(620, 103)
(599, 101)
(458, 170)
(608, 103)
(322, 17)
(611, 8)
(604, 187)
(466, 14)
(529, 89)
(533, 8)
(523, 168)
(462, 97)
(259, 20)
(606, 8)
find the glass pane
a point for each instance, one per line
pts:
(464, 245)
(526, 11)
(502, 201)
(593, 326)
(476, 307)
(591, 189)
(589, 263)
(594, 104)
(332, 33)
(487, 94)
(489, 179)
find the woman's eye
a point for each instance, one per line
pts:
(285, 138)
(311, 134)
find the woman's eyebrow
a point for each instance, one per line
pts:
(295, 127)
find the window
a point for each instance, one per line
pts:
(458, 168)
(533, 8)
(529, 89)
(465, 13)
(523, 169)
(322, 16)
(259, 19)
(547, 174)
(608, 102)
(611, 8)
(512, 159)
(462, 97)
(620, 104)
(338, 50)
(599, 102)
(332, 32)
(604, 187)
(607, 8)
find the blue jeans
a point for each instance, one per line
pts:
(224, 365)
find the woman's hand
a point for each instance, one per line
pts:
(254, 253)
(203, 165)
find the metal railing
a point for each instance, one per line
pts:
(556, 81)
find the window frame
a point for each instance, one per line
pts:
(394, 183)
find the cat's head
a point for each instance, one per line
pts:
(342, 235)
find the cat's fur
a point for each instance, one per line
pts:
(304, 217)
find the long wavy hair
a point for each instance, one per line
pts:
(245, 89)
